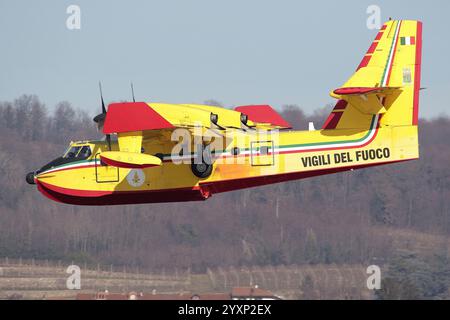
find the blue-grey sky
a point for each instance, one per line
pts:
(236, 52)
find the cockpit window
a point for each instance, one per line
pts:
(81, 152)
(85, 152)
(72, 152)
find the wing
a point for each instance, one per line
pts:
(134, 122)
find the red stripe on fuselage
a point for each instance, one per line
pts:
(73, 192)
(96, 198)
(417, 73)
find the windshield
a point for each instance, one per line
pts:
(81, 152)
(72, 152)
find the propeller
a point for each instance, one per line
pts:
(100, 118)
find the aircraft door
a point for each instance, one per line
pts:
(262, 153)
(105, 173)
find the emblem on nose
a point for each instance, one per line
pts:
(136, 178)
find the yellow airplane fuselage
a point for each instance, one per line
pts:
(289, 155)
(374, 122)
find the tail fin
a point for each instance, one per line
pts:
(387, 81)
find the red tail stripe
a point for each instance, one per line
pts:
(332, 120)
(364, 62)
(417, 72)
(379, 35)
(340, 105)
(372, 48)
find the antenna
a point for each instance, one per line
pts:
(132, 92)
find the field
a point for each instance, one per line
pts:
(30, 279)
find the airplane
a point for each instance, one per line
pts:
(159, 152)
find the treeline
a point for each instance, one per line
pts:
(329, 219)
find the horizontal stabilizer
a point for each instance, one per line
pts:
(364, 90)
(368, 100)
(130, 160)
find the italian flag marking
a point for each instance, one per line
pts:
(407, 41)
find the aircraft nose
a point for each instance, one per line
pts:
(30, 178)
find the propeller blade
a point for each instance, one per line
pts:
(101, 96)
(100, 118)
(132, 92)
